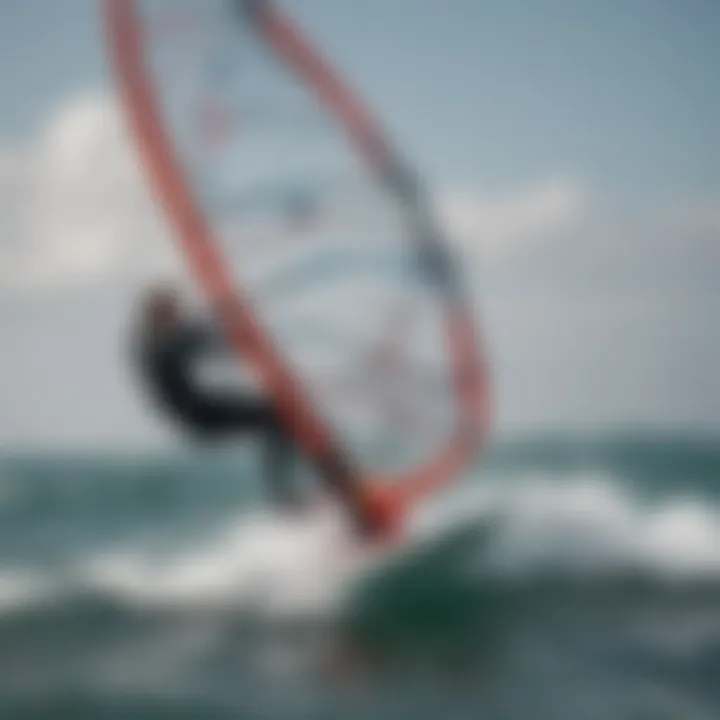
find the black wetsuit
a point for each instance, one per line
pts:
(166, 364)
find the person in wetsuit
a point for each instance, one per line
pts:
(167, 348)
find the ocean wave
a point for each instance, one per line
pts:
(596, 525)
(260, 563)
(23, 589)
(46, 487)
(536, 527)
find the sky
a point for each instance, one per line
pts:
(572, 150)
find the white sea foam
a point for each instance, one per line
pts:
(266, 564)
(594, 525)
(582, 527)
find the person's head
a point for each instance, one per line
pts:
(161, 308)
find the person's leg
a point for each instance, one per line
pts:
(231, 416)
(278, 466)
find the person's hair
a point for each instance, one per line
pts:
(160, 306)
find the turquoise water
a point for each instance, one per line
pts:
(564, 579)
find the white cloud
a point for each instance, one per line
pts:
(492, 224)
(74, 206)
(76, 209)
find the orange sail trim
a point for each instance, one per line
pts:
(250, 340)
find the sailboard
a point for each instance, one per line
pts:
(312, 240)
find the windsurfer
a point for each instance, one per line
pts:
(168, 346)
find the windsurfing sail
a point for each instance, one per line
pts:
(311, 238)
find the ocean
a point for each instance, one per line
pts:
(564, 579)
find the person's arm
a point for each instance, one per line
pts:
(204, 337)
